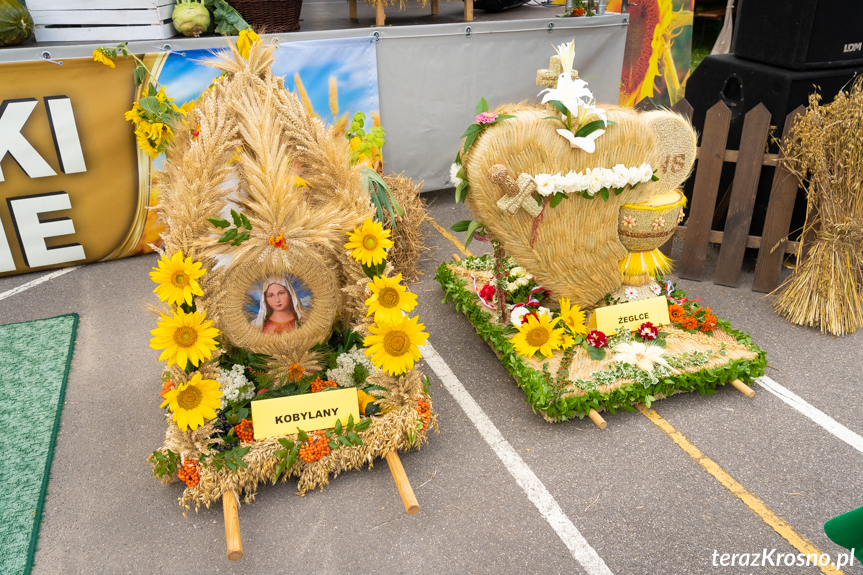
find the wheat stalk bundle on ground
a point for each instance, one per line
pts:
(825, 151)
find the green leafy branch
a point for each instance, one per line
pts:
(369, 141)
(236, 234)
(164, 463)
(471, 227)
(231, 458)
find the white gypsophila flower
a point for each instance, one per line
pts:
(621, 176)
(634, 176)
(544, 184)
(594, 180)
(646, 172)
(343, 375)
(234, 385)
(453, 177)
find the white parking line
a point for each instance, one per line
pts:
(526, 479)
(812, 412)
(37, 281)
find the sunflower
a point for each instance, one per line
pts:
(538, 334)
(245, 42)
(103, 55)
(572, 317)
(193, 401)
(393, 345)
(369, 245)
(184, 337)
(176, 278)
(654, 25)
(389, 299)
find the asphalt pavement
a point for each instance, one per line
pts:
(635, 497)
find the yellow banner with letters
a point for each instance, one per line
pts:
(630, 315)
(310, 412)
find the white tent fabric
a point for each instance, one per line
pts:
(723, 42)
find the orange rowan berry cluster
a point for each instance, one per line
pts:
(424, 409)
(189, 473)
(245, 430)
(319, 384)
(316, 447)
(166, 387)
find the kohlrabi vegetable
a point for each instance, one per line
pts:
(191, 17)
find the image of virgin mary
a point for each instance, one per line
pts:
(280, 308)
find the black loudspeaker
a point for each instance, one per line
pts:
(800, 34)
(742, 85)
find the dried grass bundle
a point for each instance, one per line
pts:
(408, 239)
(825, 151)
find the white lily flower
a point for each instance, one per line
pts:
(586, 143)
(641, 355)
(566, 52)
(568, 90)
(453, 177)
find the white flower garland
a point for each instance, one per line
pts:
(234, 385)
(591, 181)
(343, 375)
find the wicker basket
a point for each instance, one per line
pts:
(270, 16)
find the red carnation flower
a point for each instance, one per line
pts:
(648, 331)
(487, 292)
(527, 315)
(596, 338)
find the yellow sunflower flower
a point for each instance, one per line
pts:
(538, 335)
(389, 299)
(193, 402)
(572, 317)
(102, 56)
(245, 42)
(369, 245)
(176, 278)
(136, 114)
(393, 346)
(184, 337)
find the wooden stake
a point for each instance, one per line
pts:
(434, 7)
(468, 10)
(743, 388)
(380, 17)
(596, 418)
(352, 8)
(456, 258)
(232, 526)
(402, 483)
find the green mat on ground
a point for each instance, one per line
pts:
(34, 365)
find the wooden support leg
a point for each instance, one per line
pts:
(402, 483)
(434, 7)
(456, 258)
(352, 6)
(468, 10)
(380, 17)
(743, 388)
(232, 526)
(596, 418)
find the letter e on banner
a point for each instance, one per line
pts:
(32, 231)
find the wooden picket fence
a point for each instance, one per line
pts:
(773, 244)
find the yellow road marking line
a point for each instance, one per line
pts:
(450, 237)
(757, 506)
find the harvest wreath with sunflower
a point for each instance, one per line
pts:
(575, 216)
(275, 290)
